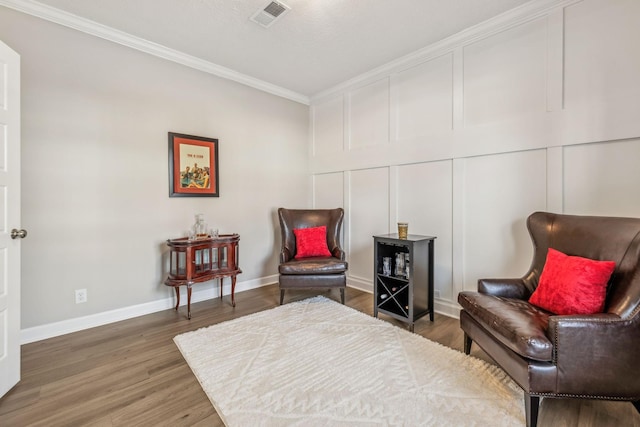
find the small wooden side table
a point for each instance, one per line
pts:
(200, 260)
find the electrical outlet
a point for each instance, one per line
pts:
(436, 293)
(81, 296)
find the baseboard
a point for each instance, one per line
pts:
(361, 284)
(199, 294)
(63, 327)
(447, 308)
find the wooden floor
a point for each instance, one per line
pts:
(130, 373)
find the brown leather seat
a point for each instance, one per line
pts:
(313, 272)
(593, 356)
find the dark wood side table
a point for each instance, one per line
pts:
(404, 293)
(200, 260)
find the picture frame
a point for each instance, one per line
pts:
(193, 166)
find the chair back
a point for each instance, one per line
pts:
(598, 238)
(291, 219)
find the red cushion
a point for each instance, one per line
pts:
(311, 242)
(572, 284)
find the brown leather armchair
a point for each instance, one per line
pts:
(314, 272)
(564, 356)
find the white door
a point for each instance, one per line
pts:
(10, 233)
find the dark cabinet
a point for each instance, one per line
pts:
(403, 277)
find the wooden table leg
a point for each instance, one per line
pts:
(177, 288)
(233, 290)
(189, 301)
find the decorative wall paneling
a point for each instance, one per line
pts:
(499, 192)
(424, 200)
(328, 128)
(369, 115)
(328, 190)
(602, 65)
(602, 178)
(422, 104)
(537, 113)
(368, 214)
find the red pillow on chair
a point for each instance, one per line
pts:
(311, 242)
(572, 284)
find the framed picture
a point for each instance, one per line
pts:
(193, 166)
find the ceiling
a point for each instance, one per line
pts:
(315, 46)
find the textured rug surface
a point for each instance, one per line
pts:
(319, 363)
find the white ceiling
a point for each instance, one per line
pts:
(315, 46)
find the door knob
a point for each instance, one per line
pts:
(18, 233)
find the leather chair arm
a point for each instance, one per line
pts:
(338, 253)
(596, 352)
(507, 288)
(285, 255)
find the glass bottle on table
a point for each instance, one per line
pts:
(200, 227)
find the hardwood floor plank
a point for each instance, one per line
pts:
(131, 373)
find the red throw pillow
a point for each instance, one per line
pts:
(311, 242)
(572, 284)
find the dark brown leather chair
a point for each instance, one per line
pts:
(313, 272)
(571, 356)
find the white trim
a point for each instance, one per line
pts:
(360, 284)
(447, 308)
(75, 22)
(51, 330)
(200, 293)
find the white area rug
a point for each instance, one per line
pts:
(319, 363)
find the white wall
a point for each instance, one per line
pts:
(95, 198)
(535, 110)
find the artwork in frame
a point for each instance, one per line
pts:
(193, 166)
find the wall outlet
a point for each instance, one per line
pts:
(81, 296)
(436, 293)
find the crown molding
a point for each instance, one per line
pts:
(75, 22)
(527, 12)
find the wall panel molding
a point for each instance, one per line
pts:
(550, 99)
(505, 75)
(422, 101)
(526, 12)
(327, 127)
(369, 115)
(555, 60)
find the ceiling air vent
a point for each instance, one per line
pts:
(270, 13)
